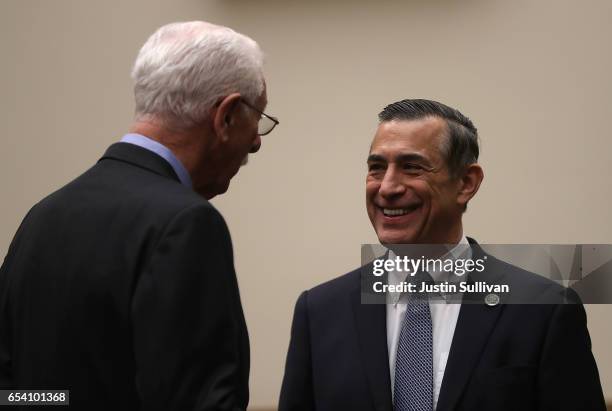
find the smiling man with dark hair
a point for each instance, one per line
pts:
(417, 354)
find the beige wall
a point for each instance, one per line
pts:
(533, 75)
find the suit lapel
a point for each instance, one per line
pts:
(371, 325)
(474, 326)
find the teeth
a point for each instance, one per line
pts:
(395, 211)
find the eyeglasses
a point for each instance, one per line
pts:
(266, 123)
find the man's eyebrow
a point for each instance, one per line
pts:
(400, 158)
(411, 157)
(376, 158)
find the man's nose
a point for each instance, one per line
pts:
(391, 185)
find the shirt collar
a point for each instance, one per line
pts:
(162, 151)
(460, 250)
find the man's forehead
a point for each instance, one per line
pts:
(409, 135)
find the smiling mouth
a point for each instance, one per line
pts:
(396, 212)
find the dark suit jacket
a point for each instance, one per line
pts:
(121, 288)
(503, 357)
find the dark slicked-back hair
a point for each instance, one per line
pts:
(461, 145)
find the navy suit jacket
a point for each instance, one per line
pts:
(120, 287)
(502, 357)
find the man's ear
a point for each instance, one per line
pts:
(469, 183)
(223, 116)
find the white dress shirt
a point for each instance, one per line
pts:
(443, 316)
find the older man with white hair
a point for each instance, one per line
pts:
(120, 287)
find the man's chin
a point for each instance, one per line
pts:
(387, 238)
(223, 187)
(211, 191)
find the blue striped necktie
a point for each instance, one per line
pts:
(413, 388)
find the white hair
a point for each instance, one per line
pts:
(185, 68)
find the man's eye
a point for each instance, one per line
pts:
(412, 167)
(375, 167)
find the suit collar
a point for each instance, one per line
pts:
(163, 151)
(370, 322)
(140, 157)
(474, 326)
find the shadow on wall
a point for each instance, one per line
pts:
(349, 6)
(378, 3)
